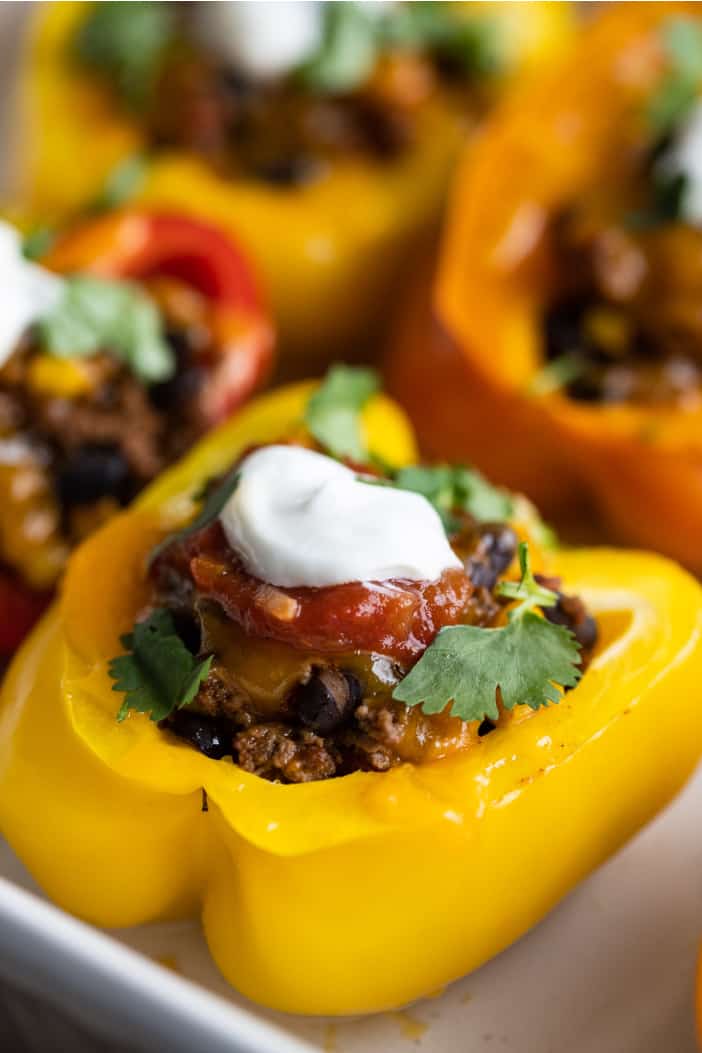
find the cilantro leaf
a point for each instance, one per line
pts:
(465, 665)
(214, 502)
(37, 241)
(525, 660)
(121, 184)
(348, 50)
(355, 34)
(682, 38)
(678, 91)
(456, 489)
(158, 674)
(95, 314)
(479, 497)
(333, 414)
(127, 43)
(471, 44)
(557, 374)
(670, 105)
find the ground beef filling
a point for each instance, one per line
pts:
(625, 311)
(71, 455)
(294, 709)
(286, 135)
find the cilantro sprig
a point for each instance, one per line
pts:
(666, 112)
(333, 413)
(557, 374)
(347, 51)
(528, 661)
(355, 34)
(333, 417)
(158, 674)
(95, 314)
(121, 184)
(455, 489)
(214, 501)
(127, 43)
(679, 89)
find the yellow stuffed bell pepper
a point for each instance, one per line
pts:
(365, 891)
(330, 235)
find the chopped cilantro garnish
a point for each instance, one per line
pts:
(455, 489)
(127, 42)
(525, 660)
(95, 314)
(556, 374)
(158, 674)
(469, 43)
(214, 502)
(683, 42)
(355, 35)
(348, 50)
(37, 242)
(333, 414)
(679, 89)
(122, 183)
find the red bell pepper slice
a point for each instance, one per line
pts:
(139, 244)
(20, 607)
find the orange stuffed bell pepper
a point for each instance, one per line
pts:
(558, 345)
(309, 700)
(322, 136)
(155, 332)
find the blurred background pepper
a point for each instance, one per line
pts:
(558, 343)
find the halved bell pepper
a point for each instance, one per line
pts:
(471, 341)
(330, 251)
(139, 245)
(367, 891)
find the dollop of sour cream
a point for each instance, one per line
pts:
(262, 40)
(299, 518)
(684, 157)
(27, 291)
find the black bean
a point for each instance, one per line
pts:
(563, 328)
(186, 382)
(586, 633)
(327, 699)
(235, 84)
(291, 171)
(210, 736)
(495, 552)
(568, 612)
(587, 388)
(93, 472)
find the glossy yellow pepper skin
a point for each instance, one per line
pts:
(368, 891)
(329, 252)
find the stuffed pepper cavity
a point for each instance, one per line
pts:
(566, 300)
(137, 333)
(313, 664)
(270, 120)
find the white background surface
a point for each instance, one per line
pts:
(609, 971)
